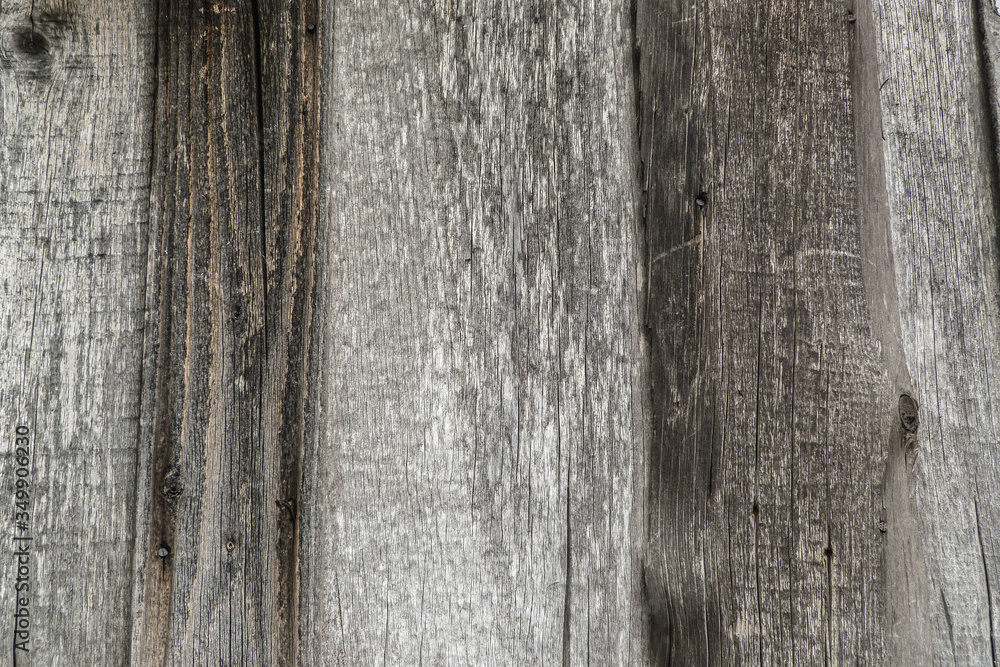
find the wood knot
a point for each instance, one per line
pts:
(31, 42)
(908, 413)
(172, 487)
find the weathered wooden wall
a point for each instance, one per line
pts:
(626, 332)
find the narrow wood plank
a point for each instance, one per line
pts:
(229, 306)
(941, 174)
(474, 495)
(776, 374)
(906, 610)
(74, 197)
(289, 87)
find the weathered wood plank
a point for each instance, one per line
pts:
(775, 373)
(228, 312)
(474, 493)
(75, 155)
(941, 175)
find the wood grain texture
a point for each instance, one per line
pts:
(228, 308)
(74, 174)
(474, 492)
(774, 396)
(941, 174)
(502, 332)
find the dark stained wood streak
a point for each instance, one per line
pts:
(772, 399)
(229, 312)
(289, 54)
(75, 114)
(986, 23)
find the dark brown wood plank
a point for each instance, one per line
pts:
(227, 333)
(474, 493)
(289, 51)
(776, 355)
(75, 115)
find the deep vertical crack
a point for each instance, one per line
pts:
(987, 68)
(143, 378)
(258, 74)
(986, 577)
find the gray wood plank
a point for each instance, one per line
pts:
(74, 200)
(475, 490)
(941, 176)
(781, 481)
(228, 313)
(906, 611)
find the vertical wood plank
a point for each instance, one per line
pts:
(906, 614)
(204, 593)
(474, 493)
(941, 175)
(229, 306)
(774, 396)
(75, 154)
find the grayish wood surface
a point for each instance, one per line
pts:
(474, 492)
(941, 175)
(74, 176)
(778, 455)
(572, 333)
(905, 581)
